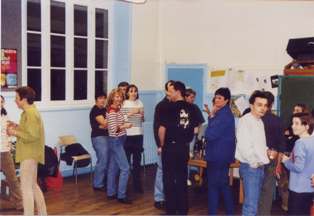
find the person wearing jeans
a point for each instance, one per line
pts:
(100, 145)
(252, 183)
(220, 148)
(159, 196)
(99, 136)
(117, 160)
(252, 152)
(29, 150)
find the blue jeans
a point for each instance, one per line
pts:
(117, 162)
(100, 145)
(159, 189)
(252, 183)
(218, 182)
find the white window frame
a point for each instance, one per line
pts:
(69, 102)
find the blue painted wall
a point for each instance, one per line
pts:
(193, 76)
(122, 41)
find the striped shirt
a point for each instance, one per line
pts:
(115, 119)
(136, 119)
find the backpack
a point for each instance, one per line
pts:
(50, 167)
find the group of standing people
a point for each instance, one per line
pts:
(258, 142)
(117, 138)
(30, 138)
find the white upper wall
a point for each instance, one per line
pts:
(145, 55)
(250, 35)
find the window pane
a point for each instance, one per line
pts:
(57, 85)
(101, 80)
(80, 20)
(57, 13)
(34, 81)
(57, 51)
(101, 49)
(101, 23)
(80, 52)
(33, 49)
(80, 84)
(33, 15)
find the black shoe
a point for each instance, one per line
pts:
(99, 189)
(159, 205)
(125, 200)
(113, 197)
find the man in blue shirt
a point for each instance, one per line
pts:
(220, 150)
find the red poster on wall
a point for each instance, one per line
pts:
(8, 68)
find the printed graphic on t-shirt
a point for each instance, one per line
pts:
(184, 119)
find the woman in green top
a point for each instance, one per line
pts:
(29, 149)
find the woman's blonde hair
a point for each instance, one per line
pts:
(111, 96)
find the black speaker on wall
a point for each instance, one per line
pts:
(301, 48)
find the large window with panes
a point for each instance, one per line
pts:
(66, 49)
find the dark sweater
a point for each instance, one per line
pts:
(160, 109)
(274, 132)
(220, 137)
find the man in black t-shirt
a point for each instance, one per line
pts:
(175, 133)
(190, 95)
(99, 135)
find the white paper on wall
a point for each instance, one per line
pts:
(241, 103)
(236, 81)
(217, 79)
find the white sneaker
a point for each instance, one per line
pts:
(189, 183)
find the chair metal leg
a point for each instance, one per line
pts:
(75, 170)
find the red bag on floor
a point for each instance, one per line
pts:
(54, 183)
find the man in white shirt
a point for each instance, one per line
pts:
(252, 152)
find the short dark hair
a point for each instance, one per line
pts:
(189, 92)
(100, 94)
(303, 106)
(123, 84)
(225, 92)
(306, 119)
(26, 92)
(257, 94)
(171, 82)
(270, 98)
(179, 86)
(128, 89)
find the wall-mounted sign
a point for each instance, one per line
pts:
(8, 68)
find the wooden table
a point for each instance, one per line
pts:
(203, 164)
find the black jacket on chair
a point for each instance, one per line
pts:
(75, 149)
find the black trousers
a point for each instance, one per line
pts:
(299, 203)
(175, 173)
(133, 148)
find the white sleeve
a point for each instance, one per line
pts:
(244, 143)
